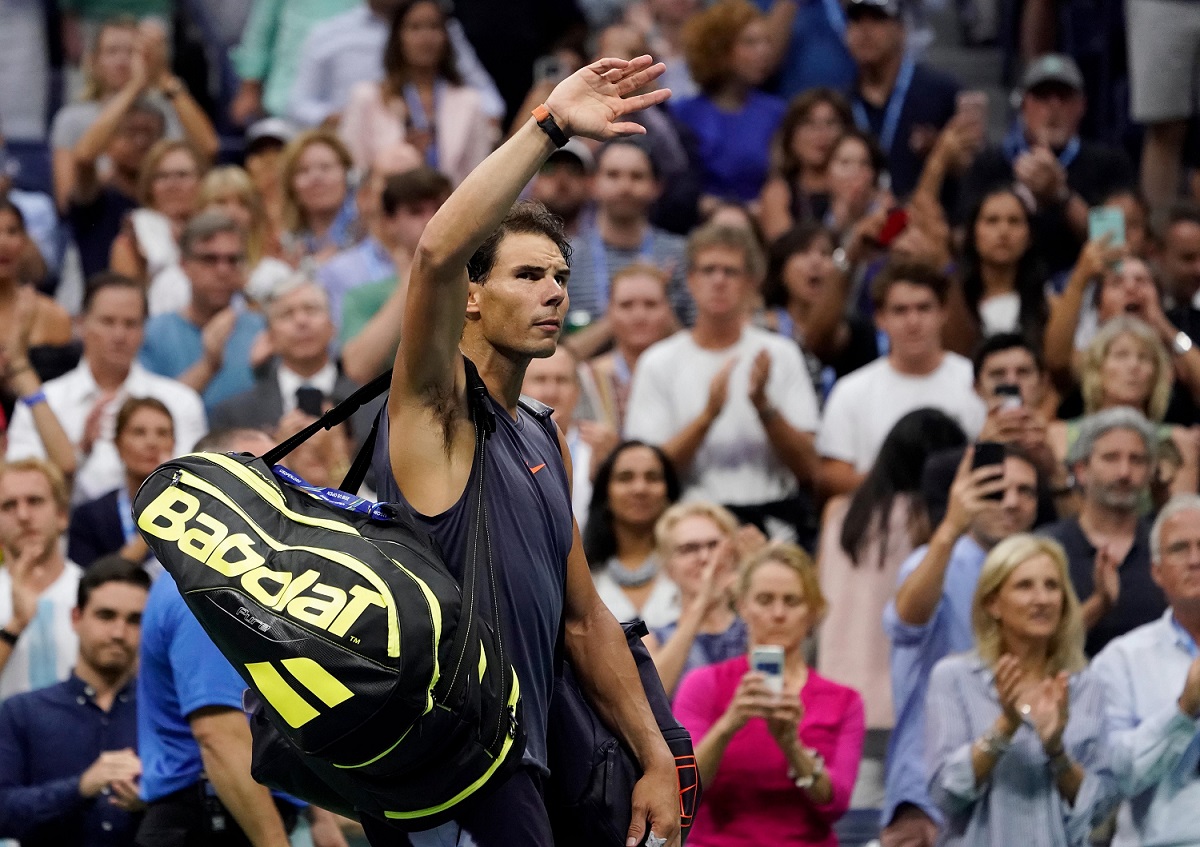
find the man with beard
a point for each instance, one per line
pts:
(1108, 543)
(930, 618)
(68, 770)
(37, 583)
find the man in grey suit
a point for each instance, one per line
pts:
(302, 373)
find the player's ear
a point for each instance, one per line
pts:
(474, 292)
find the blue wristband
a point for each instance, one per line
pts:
(33, 399)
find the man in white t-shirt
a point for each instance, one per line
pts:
(37, 583)
(910, 307)
(731, 405)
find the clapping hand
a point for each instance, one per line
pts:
(1048, 709)
(592, 101)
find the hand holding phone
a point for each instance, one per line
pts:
(1106, 220)
(310, 400)
(990, 454)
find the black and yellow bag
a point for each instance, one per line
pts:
(379, 684)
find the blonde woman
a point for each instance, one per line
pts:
(319, 216)
(1127, 365)
(778, 758)
(699, 543)
(148, 247)
(229, 189)
(1015, 738)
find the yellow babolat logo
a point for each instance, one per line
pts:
(287, 701)
(174, 515)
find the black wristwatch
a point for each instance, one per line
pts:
(548, 125)
(8, 637)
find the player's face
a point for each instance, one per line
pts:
(521, 305)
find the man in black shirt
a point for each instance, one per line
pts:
(1108, 543)
(902, 102)
(1062, 174)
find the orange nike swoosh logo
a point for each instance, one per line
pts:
(538, 468)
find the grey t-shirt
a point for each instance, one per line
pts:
(73, 119)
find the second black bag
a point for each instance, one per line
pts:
(590, 792)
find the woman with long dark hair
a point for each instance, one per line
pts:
(632, 488)
(867, 536)
(422, 100)
(1003, 276)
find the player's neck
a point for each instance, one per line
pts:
(501, 374)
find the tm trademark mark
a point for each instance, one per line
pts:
(354, 640)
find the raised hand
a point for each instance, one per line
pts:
(1049, 710)
(718, 389)
(760, 372)
(1010, 684)
(969, 493)
(1106, 576)
(592, 101)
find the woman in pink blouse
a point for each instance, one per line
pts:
(421, 101)
(777, 768)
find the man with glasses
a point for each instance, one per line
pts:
(732, 405)
(1152, 678)
(206, 345)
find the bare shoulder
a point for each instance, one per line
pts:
(52, 323)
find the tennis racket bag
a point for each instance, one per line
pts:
(379, 684)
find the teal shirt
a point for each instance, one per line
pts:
(173, 344)
(271, 41)
(362, 303)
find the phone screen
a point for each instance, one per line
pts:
(990, 454)
(1105, 220)
(310, 401)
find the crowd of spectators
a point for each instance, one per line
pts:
(844, 372)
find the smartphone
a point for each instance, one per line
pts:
(895, 223)
(310, 400)
(549, 68)
(1105, 220)
(990, 454)
(1010, 396)
(767, 659)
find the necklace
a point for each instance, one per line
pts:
(636, 578)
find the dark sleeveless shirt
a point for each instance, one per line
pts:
(528, 501)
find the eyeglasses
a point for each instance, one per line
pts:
(174, 176)
(691, 548)
(211, 260)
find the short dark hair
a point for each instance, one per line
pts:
(897, 271)
(110, 279)
(417, 185)
(1182, 211)
(106, 569)
(1002, 342)
(206, 225)
(135, 404)
(526, 216)
(798, 239)
(637, 143)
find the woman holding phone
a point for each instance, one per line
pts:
(778, 754)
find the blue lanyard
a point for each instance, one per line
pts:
(125, 512)
(836, 17)
(600, 262)
(895, 105)
(422, 121)
(1015, 144)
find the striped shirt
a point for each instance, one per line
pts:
(1019, 803)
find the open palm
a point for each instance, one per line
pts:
(593, 100)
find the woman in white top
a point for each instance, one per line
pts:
(633, 487)
(1003, 279)
(421, 101)
(148, 247)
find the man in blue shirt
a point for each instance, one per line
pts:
(902, 102)
(192, 732)
(931, 618)
(68, 769)
(206, 345)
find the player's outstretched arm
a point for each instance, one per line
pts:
(594, 102)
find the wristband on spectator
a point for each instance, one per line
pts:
(548, 125)
(32, 400)
(994, 744)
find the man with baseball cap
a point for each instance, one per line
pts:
(1061, 173)
(904, 103)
